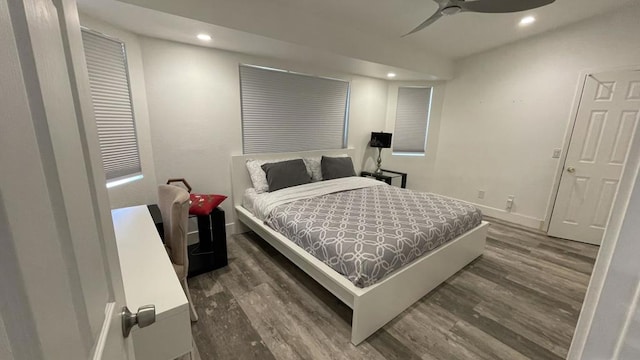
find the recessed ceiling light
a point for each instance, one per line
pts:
(204, 37)
(391, 75)
(527, 20)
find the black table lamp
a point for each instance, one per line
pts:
(381, 141)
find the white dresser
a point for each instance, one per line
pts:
(149, 278)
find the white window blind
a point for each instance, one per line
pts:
(111, 96)
(283, 111)
(412, 120)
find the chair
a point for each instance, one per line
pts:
(174, 207)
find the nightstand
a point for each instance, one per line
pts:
(210, 252)
(387, 176)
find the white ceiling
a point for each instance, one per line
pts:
(361, 36)
(453, 37)
(180, 29)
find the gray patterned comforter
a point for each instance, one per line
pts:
(366, 234)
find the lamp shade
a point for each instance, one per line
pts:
(380, 140)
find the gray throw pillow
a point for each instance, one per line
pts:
(286, 174)
(336, 167)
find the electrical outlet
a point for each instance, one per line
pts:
(480, 194)
(557, 153)
(510, 202)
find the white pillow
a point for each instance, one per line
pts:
(313, 167)
(259, 177)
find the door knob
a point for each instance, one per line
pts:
(571, 169)
(145, 316)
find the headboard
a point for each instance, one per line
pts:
(240, 180)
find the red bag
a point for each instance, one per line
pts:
(200, 204)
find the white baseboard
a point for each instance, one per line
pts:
(230, 228)
(520, 219)
(239, 228)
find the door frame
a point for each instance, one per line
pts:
(44, 310)
(32, 260)
(108, 344)
(582, 80)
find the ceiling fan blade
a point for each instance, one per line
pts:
(501, 6)
(426, 23)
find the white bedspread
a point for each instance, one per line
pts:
(261, 205)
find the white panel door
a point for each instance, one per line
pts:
(62, 290)
(607, 116)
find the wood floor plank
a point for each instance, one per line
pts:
(298, 285)
(525, 326)
(426, 339)
(588, 250)
(496, 329)
(504, 229)
(390, 348)
(521, 299)
(235, 339)
(563, 258)
(463, 304)
(485, 342)
(577, 255)
(563, 304)
(286, 332)
(509, 245)
(505, 298)
(290, 291)
(540, 266)
(539, 275)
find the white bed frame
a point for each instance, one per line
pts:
(377, 304)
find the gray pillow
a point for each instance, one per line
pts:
(336, 167)
(286, 174)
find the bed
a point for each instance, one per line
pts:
(377, 291)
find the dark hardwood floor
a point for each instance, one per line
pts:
(521, 299)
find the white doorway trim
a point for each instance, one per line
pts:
(53, 274)
(569, 132)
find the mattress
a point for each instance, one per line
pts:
(365, 230)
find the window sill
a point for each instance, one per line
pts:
(416, 154)
(125, 180)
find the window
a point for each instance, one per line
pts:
(284, 111)
(111, 97)
(412, 120)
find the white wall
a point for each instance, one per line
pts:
(141, 191)
(193, 96)
(5, 347)
(507, 109)
(629, 347)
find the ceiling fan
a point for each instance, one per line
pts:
(452, 7)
